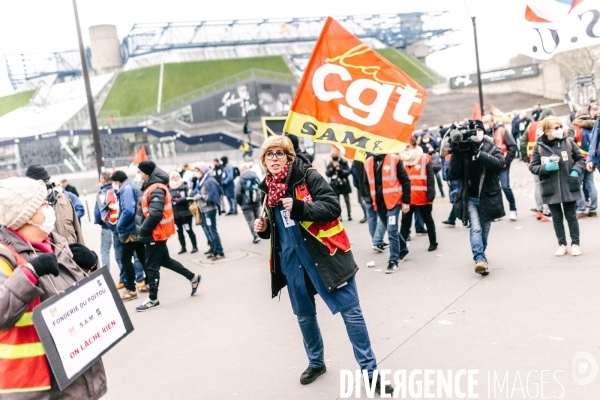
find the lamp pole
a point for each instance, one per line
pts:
(247, 127)
(478, 69)
(90, 99)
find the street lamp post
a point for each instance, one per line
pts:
(478, 69)
(90, 99)
(247, 127)
(472, 8)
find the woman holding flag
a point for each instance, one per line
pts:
(310, 253)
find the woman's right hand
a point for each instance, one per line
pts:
(260, 224)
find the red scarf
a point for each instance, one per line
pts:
(277, 186)
(43, 246)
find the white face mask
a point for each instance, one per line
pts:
(115, 187)
(558, 134)
(426, 140)
(49, 220)
(478, 138)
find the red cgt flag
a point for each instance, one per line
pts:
(351, 96)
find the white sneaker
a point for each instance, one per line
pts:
(575, 250)
(562, 250)
(513, 216)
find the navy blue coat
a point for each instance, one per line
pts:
(128, 194)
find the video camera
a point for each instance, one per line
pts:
(460, 136)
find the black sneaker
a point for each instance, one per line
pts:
(421, 231)
(256, 240)
(403, 256)
(448, 223)
(388, 389)
(408, 239)
(209, 251)
(194, 250)
(183, 250)
(392, 267)
(349, 218)
(386, 245)
(310, 374)
(380, 248)
(195, 283)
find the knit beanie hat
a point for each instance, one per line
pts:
(147, 167)
(202, 167)
(37, 172)
(20, 198)
(118, 176)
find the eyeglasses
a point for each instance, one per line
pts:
(557, 127)
(271, 156)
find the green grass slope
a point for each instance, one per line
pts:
(137, 90)
(14, 101)
(182, 78)
(410, 65)
(133, 91)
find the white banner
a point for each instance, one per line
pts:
(83, 324)
(553, 26)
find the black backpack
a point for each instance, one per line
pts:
(251, 192)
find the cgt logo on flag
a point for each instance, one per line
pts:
(351, 96)
(554, 26)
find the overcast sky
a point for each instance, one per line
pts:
(35, 26)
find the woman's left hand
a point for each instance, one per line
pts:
(287, 203)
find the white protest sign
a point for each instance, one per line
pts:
(83, 324)
(79, 325)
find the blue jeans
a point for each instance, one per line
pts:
(453, 190)
(419, 223)
(357, 333)
(479, 232)
(587, 179)
(376, 227)
(232, 205)
(397, 242)
(106, 239)
(505, 184)
(210, 219)
(137, 265)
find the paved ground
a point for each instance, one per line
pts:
(532, 313)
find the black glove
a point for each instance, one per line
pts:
(45, 264)
(83, 256)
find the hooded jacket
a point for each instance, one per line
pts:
(240, 187)
(488, 164)
(67, 222)
(17, 292)
(586, 124)
(128, 195)
(558, 186)
(334, 270)
(156, 206)
(593, 154)
(98, 212)
(341, 183)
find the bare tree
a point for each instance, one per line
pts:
(578, 61)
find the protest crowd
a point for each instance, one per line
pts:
(285, 200)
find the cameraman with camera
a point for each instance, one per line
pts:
(476, 163)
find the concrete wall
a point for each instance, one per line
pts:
(106, 48)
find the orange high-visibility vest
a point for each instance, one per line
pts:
(330, 234)
(166, 227)
(23, 363)
(534, 132)
(578, 135)
(499, 140)
(113, 208)
(392, 189)
(418, 181)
